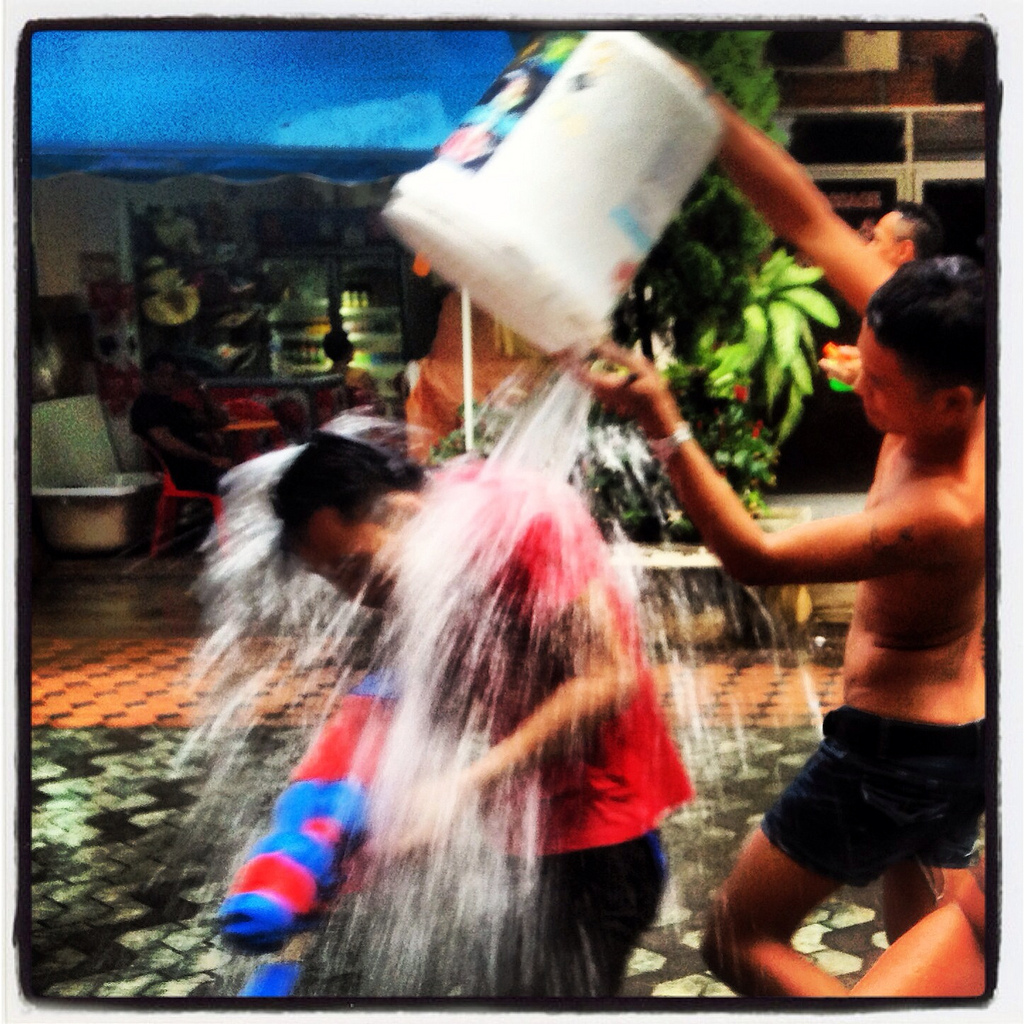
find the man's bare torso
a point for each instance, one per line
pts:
(914, 650)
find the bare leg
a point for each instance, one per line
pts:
(939, 956)
(757, 910)
(935, 920)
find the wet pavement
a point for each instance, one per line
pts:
(120, 903)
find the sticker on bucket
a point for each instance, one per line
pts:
(513, 93)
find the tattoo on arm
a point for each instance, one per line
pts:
(880, 547)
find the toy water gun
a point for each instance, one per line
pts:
(841, 354)
(317, 823)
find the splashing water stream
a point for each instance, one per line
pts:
(470, 647)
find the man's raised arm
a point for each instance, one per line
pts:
(796, 209)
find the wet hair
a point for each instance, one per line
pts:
(925, 228)
(341, 473)
(162, 357)
(931, 313)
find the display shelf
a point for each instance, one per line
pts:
(391, 342)
(369, 312)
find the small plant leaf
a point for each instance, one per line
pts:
(773, 380)
(803, 379)
(734, 359)
(794, 410)
(814, 304)
(796, 275)
(786, 321)
(755, 329)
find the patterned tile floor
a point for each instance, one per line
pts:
(120, 901)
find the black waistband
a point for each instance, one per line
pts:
(871, 734)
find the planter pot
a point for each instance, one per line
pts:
(719, 609)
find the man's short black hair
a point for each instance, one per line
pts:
(926, 230)
(932, 314)
(340, 473)
(162, 357)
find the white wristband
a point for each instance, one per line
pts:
(663, 447)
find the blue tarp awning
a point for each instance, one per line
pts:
(347, 105)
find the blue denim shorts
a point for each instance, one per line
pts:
(877, 792)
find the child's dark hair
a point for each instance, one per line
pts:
(340, 473)
(931, 313)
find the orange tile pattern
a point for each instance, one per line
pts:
(87, 681)
(80, 682)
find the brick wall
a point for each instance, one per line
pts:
(935, 67)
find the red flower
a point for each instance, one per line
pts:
(756, 432)
(742, 393)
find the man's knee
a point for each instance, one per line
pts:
(725, 945)
(710, 944)
(738, 936)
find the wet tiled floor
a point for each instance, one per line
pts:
(120, 899)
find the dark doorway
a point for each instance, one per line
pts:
(961, 208)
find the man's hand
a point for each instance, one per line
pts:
(841, 363)
(637, 390)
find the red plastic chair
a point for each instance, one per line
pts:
(167, 506)
(247, 444)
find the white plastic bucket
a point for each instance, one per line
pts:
(550, 194)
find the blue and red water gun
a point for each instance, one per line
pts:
(318, 822)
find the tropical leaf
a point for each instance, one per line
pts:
(772, 270)
(755, 330)
(794, 410)
(786, 321)
(803, 379)
(732, 360)
(774, 377)
(813, 303)
(795, 275)
(807, 338)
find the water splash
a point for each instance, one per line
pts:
(463, 640)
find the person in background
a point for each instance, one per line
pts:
(799, 212)
(180, 431)
(896, 787)
(909, 231)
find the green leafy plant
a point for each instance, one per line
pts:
(728, 428)
(776, 352)
(489, 422)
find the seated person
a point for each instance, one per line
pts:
(180, 431)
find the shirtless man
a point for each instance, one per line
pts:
(896, 788)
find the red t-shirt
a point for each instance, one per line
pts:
(620, 786)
